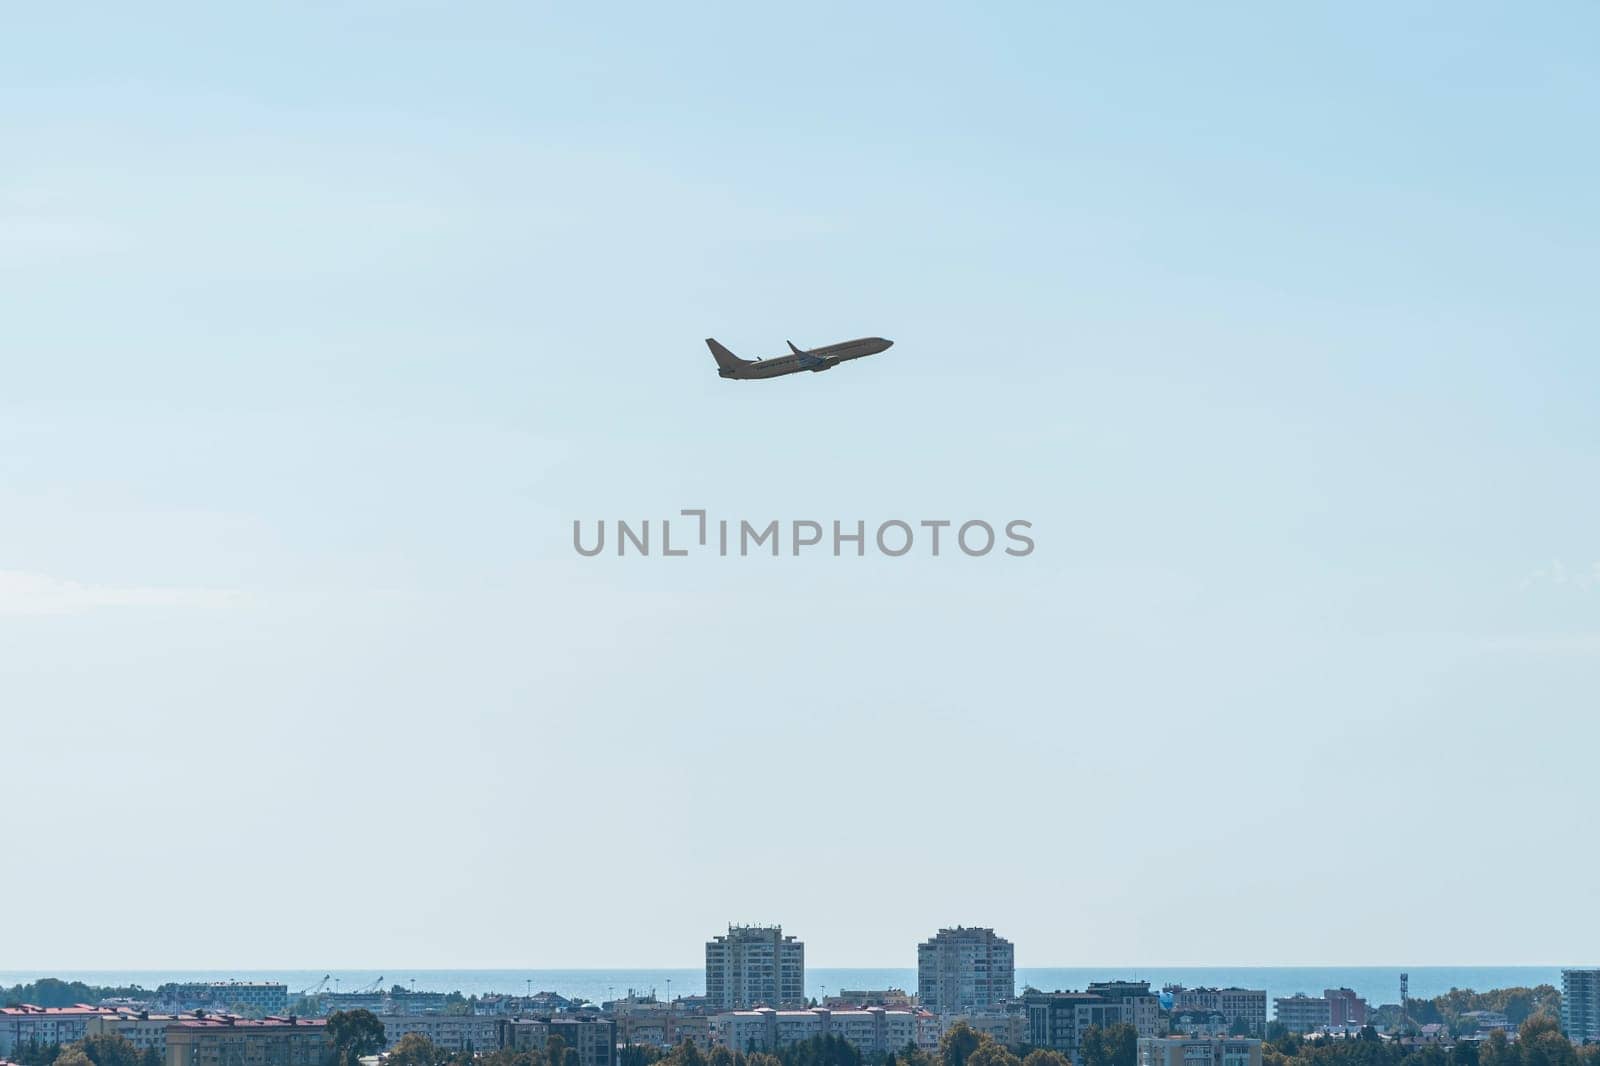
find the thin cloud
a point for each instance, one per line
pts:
(22, 593)
(1544, 643)
(1560, 575)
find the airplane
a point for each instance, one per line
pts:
(815, 360)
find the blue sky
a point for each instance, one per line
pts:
(322, 323)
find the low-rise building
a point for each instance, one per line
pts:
(1198, 1021)
(872, 1031)
(404, 1001)
(1345, 1008)
(595, 1039)
(1243, 1007)
(1057, 1020)
(539, 1003)
(247, 1042)
(142, 1029)
(254, 998)
(455, 1033)
(652, 1024)
(1336, 1008)
(1007, 1029)
(868, 997)
(1142, 1006)
(1199, 1051)
(334, 1002)
(25, 1025)
(666, 1028)
(1485, 1021)
(1301, 1013)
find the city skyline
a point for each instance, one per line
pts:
(188, 1022)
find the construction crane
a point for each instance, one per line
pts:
(373, 987)
(316, 989)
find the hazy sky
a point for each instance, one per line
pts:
(320, 325)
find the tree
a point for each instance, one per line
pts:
(959, 1041)
(990, 1053)
(34, 1053)
(1114, 1045)
(1541, 1043)
(687, 1054)
(352, 1034)
(414, 1049)
(54, 992)
(73, 1055)
(1046, 1057)
(638, 1055)
(112, 1049)
(1497, 1051)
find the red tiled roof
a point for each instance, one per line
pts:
(251, 1023)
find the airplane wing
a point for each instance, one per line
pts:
(793, 349)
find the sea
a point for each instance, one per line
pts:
(1378, 984)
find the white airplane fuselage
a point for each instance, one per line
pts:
(815, 360)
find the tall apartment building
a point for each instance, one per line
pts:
(1246, 1005)
(1142, 1006)
(594, 1039)
(1199, 1051)
(873, 1031)
(23, 1025)
(962, 969)
(755, 966)
(1580, 1005)
(1057, 1020)
(244, 1042)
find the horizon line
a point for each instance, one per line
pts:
(602, 968)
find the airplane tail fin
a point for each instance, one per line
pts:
(725, 359)
(793, 349)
